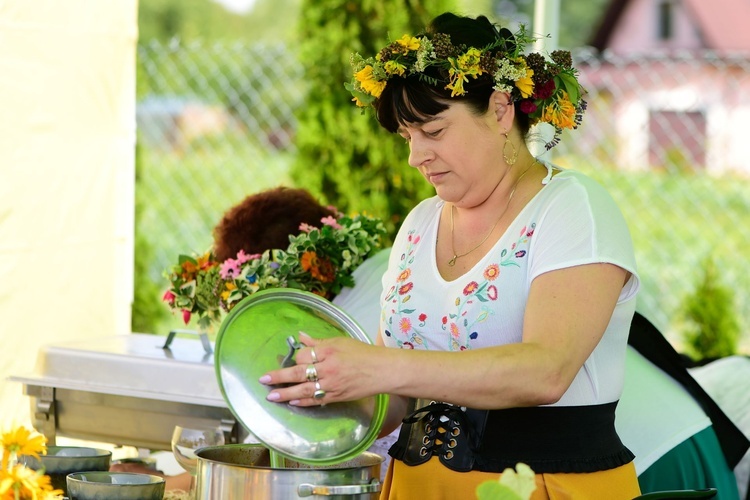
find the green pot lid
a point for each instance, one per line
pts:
(252, 341)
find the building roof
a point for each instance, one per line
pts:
(721, 23)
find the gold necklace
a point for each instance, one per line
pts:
(452, 260)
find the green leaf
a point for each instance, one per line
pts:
(493, 490)
(571, 86)
(186, 258)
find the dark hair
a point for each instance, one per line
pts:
(265, 220)
(411, 99)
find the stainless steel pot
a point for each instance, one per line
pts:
(242, 471)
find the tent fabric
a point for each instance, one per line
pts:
(67, 136)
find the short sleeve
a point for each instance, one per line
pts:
(579, 223)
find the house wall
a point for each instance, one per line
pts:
(624, 96)
(712, 92)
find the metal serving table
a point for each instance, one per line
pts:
(128, 390)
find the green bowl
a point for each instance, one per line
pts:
(62, 460)
(99, 485)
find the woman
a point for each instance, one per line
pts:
(509, 294)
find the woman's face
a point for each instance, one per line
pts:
(459, 153)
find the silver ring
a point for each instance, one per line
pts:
(311, 374)
(313, 355)
(319, 393)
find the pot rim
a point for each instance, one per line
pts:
(342, 465)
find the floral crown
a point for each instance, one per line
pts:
(547, 90)
(320, 260)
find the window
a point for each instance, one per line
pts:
(666, 20)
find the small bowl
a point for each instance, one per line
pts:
(99, 485)
(62, 460)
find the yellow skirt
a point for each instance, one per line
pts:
(433, 481)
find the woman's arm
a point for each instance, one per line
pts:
(566, 315)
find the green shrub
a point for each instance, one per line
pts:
(712, 330)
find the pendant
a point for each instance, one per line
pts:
(452, 262)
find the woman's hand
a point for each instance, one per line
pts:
(328, 371)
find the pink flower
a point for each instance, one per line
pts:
(242, 257)
(229, 269)
(331, 221)
(404, 325)
(306, 228)
(454, 330)
(186, 316)
(492, 292)
(168, 297)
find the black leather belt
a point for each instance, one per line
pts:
(549, 439)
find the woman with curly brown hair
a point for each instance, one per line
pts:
(266, 220)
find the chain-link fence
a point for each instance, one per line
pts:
(664, 134)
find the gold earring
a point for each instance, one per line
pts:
(511, 158)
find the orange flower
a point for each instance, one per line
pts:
(561, 113)
(189, 269)
(321, 269)
(205, 262)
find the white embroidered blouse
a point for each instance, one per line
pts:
(571, 221)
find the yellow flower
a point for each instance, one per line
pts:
(394, 68)
(367, 80)
(561, 113)
(408, 42)
(22, 482)
(22, 441)
(468, 62)
(456, 84)
(229, 286)
(525, 84)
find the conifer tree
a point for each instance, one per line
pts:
(345, 158)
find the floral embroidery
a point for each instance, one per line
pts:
(492, 272)
(471, 288)
(409, 328)
(461, 327)
(398, 295)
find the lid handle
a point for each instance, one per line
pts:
(307, 489)
(203, 336)
(289, 358)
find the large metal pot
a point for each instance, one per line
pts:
(316, 451)
(238, 472)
